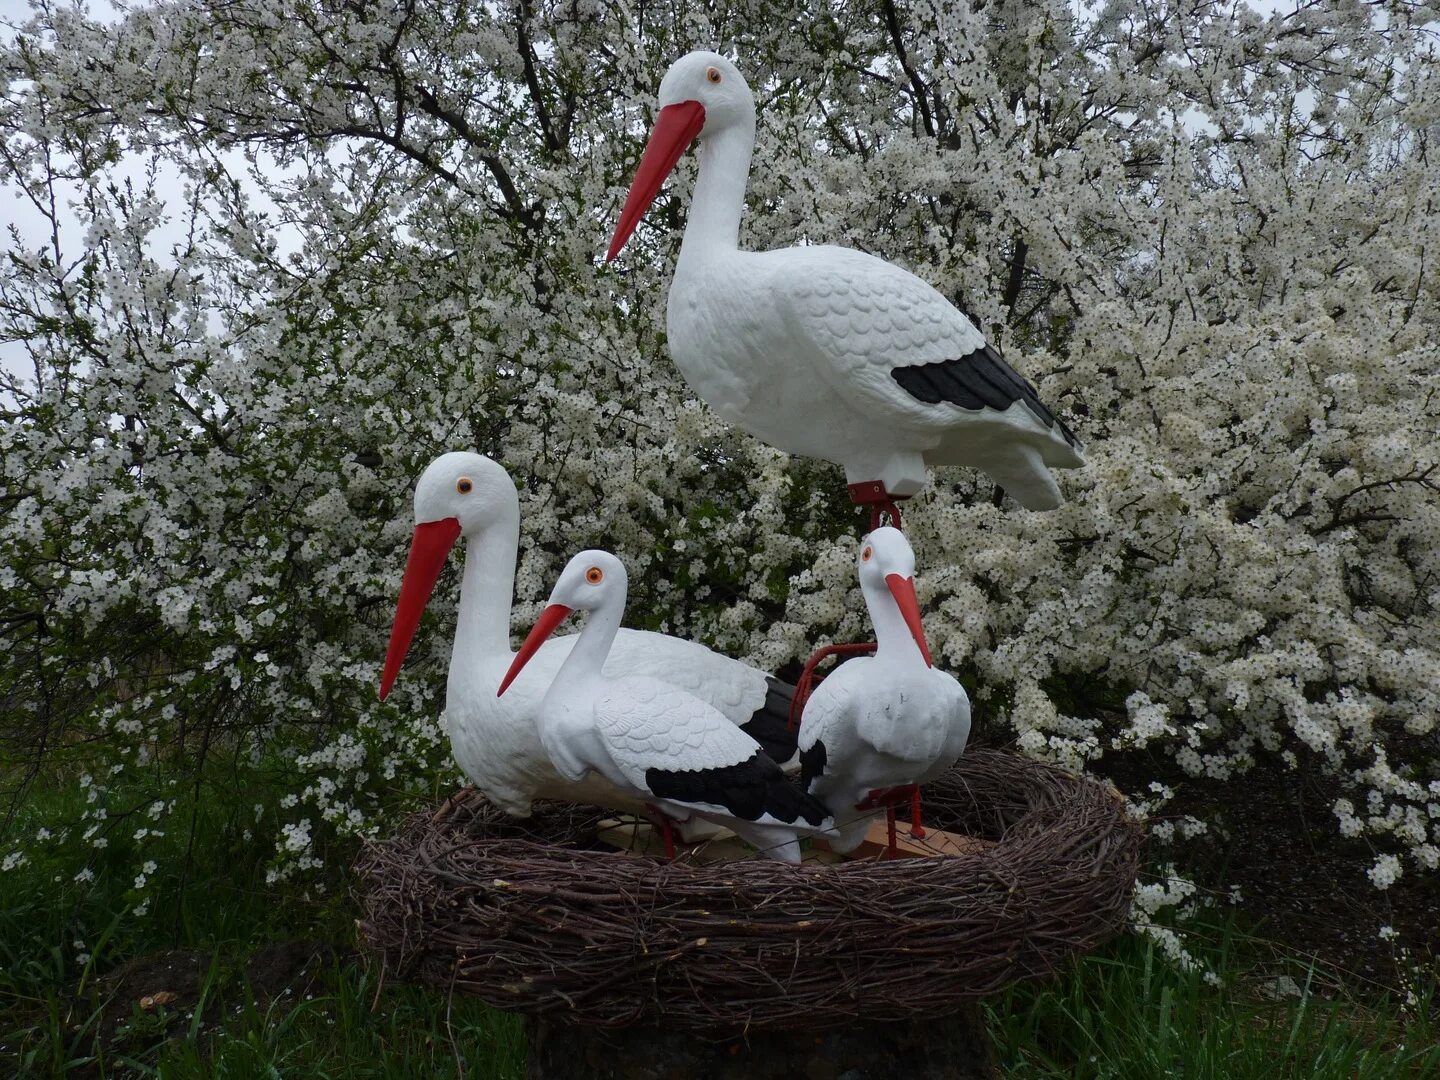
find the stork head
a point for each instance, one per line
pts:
(590, 579)
(472, 489)
(701, 94)
(459, 494)
(887, 565)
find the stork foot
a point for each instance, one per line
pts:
(889, 796)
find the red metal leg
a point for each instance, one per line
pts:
(872, 493)
(890, 830)
(917, 830)
(669, 830)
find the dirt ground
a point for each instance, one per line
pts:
(160, 991)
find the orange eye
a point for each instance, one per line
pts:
(713, 74)
(594, 575)
(865, 555)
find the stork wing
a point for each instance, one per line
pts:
(646, 725)
(818, 724)
(736, 689)
(681, 751)
(888, 341)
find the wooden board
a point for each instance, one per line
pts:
(936, 842)
(635, 836)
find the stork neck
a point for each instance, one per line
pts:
(719, 198)
(486, 589)
(592, 646)
(894, 644)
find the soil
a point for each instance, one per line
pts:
(955, 1047)
(156, 995)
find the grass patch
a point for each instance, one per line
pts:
(1126, 1012)
(344, 1025)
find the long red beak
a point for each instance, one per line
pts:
(903, 589)
(675, 129)
(544, 626)
(428, 548)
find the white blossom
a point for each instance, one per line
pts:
(1201, 239)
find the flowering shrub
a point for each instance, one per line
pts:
(281, 254)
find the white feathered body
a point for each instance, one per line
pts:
(622, 731)
(797, 346)
(881, 726)
(497, 742)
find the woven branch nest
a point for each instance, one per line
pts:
(535, 917)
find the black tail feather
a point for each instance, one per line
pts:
(770, 724)
(749, 790)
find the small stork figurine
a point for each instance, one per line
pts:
(826, 351)
(882, 725)
(650, 739)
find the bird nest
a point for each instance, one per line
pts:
(536, 917)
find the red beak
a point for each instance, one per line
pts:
(903, 589)
(428, 548)
(675, 129)
(544, 626)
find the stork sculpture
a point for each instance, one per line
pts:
(647, 738)
(825, 351)
(471, 497)
(882, 725)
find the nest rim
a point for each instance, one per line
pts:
(520, 914)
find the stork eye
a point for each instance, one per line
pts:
(867, 553)
(713, 74)
(594, 575)
(464, 485)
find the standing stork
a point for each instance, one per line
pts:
(887, 723)
(826, 351)
(649, 739)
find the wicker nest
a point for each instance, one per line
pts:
(533, 916)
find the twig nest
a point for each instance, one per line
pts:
(537, 917)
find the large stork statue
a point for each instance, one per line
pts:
(826, 351)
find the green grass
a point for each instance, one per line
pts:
(348, 1030)
(1121, 1012)
(1126, 1012)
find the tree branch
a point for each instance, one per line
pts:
(892, 22)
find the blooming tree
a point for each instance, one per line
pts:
(293, 249)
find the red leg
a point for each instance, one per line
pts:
(667, 828)
(890, 830)
(873, 494)
(916, 829)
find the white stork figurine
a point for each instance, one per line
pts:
(886, 721)
(496, 743)
(826, 351)
(648, 738)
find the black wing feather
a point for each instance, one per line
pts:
(978, 380)
(754, 787)
(770, 724)
(812, 764)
